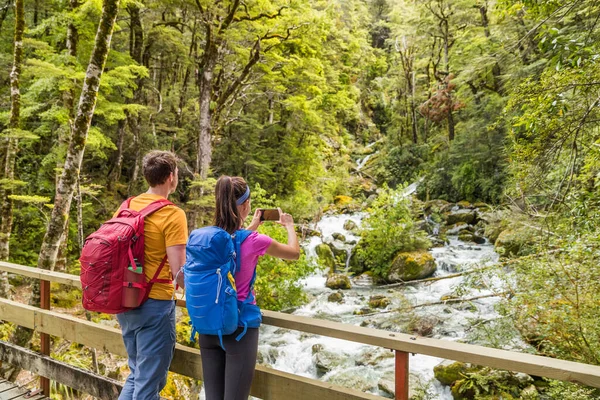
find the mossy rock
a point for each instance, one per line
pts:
(325, 256)
(423, 326)
(464, 204)
(338, 281)
(335, 297)
(342, 200)
(483, 207)
(449, 372)
(435, 206)
(409, 266)
(350, 379)
(465, 216)
(516, 242)
(356, 264)
(350, 225)
(457, 228)
(325, 360)
(379, 301)
(339, 236)
(530, 393)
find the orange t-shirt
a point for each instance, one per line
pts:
(164, 228)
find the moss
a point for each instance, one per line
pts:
(516, 242)
(342, 200)
(64, 296)
(325, 256)
(336, 297)
(338, 281)
(379, 301)
(411, 265)
(447, 374)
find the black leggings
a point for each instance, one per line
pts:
(228, 373)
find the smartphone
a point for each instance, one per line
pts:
(269, 214)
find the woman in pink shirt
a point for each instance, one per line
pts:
(228, 372)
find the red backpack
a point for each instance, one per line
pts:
(112, 262)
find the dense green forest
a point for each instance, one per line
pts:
(493, 101)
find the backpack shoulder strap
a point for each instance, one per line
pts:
(154, 206)
(238, 238)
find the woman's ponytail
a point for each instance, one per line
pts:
(227, 191)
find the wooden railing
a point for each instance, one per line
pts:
(272, 384)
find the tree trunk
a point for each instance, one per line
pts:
(11, 143)
(68, 180)
(485, 22)
(204, 137)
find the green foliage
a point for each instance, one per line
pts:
(388, 230)
(278, 285)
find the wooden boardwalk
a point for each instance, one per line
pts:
(10, 391)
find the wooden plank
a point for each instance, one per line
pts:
(512, 361)
(52, 276)
(76, 378)
(186, 360)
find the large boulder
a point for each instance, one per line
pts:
(338, 281)
(464, 215)
(516, 242)
(410, 266)
(325, 256)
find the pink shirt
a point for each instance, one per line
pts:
(253, 247)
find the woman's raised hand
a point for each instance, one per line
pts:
(256, 222)
(285, 219)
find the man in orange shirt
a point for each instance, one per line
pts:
(149, 330)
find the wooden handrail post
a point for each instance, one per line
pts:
(44, 337)
(401, 383)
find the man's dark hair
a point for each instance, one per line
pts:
(158, 165)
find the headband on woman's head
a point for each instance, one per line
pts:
(244, 197)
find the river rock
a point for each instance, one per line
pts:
(338, 281)
(482, 207)
(379, 301)
(350, 225)
(423, 326)
(448, 372)
(458, 228)
(436, 206)
(416, 389)
(410, 266)
(326, 360)
(515, 242)
(463, 215)
(356, 263)
(339, 255)
(339, 236)
(325, 256)
(464, 205)
(530, 393)
(306, 231)
(350, 379)
(336, 297)
(467, 236)
(373, 357)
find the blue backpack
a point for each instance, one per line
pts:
(212, 260)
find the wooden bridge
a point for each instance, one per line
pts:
(268, 383)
